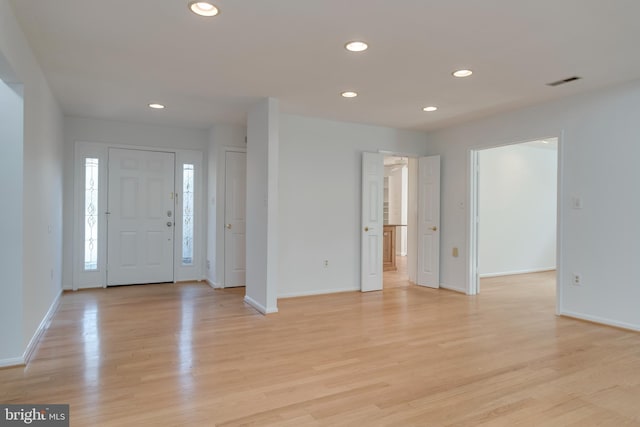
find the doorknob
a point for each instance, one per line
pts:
(228, 226)
(434, 228)
(366, 229)
(169, 223)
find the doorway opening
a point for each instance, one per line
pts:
(395, 246)
(423, 244)
(514, 211)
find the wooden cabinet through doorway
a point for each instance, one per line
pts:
(389, 248)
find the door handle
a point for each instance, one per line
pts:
(366, 229)
(169, 223)
(434, 228)
(228, 226)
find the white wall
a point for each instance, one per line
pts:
(395, 194)
(262, 206)
(221, 137)
(11, 135)
(320, 199)
(79, 129)
(517, 209)
(599, 151)
(404, 216)
(42, 167)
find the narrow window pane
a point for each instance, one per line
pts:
(187, 214)
(91, 214)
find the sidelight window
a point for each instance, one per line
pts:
(91, 214)
(187, 213)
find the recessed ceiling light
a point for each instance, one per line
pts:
(156, 106)
(349, 94)
(430, 109)
(203, 8)
(462, 73)
(356, 46)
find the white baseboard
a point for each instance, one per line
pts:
(44, 325)
(513, 273)
(12, 362)
(601, 320)
(453, 288)
(316, 292)
(95, 286)
(213, 284)
(261, 308)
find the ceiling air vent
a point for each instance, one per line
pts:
(564, 81)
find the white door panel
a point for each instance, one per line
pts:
(235, 219)
(140, 223)
(372, 221)
(429, 222)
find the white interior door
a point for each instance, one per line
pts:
(141, 217)
(235, 219)
(429, 221)
(372, 221)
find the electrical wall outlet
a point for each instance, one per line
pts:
(577, 279)
(326, 263)
(576, 202)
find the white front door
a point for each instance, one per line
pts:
(429, 221)
(372, 221)
(141, 217)
(235, 219)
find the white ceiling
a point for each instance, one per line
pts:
(110, 58)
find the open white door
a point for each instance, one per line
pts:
(429, 222)
(235, 219)
(372, 221)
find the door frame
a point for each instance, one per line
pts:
(220, 215)
(473, 277)
(82, 279)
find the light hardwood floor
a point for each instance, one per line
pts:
(188, 355)
(398, 278)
